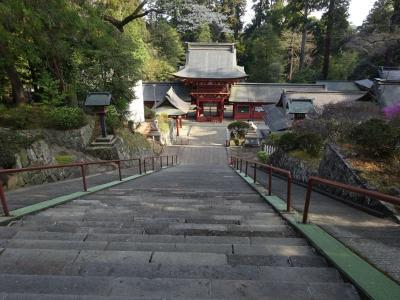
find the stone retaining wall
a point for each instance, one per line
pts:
(300, 169)
(332, 166)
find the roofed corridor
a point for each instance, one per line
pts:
(195, 231)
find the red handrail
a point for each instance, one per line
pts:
(354, 189)
(237, 162)
(82, 166)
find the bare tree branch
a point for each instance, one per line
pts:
(119, 24)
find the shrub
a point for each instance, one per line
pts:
(239, 129)
(375, 138)
(163, 123)
(113, 119)
(65, 118)
(263, 156)
(288, 142)
(21, 117)
(311, 143)
(149, 114)
(272, 139)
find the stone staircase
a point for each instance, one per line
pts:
(183, 233)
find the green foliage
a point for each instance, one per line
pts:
(166, 41)
(113, 119)
(65, 118)
(64, 158)
(149, 114)
(24, 117)
(305, 75)
(48, 90)
(264, 62)
(311, 143)
(61, 48)
(375, 138)
(239, 129)
(262, 156)
(163, 123)
(288, 142)
(203, 33)
(135, 141)
(157, 69)
(342, 65)
(272, 139)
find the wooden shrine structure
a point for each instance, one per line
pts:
(210, 71)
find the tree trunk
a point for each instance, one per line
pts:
(304, 35)
(291, 59)
(328, 40)
(12, 74)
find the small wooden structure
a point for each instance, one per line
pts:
(174, 107)
(99, 101)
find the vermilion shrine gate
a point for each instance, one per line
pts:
(210, 71)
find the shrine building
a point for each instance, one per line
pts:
(211, 80)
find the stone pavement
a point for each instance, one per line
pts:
(196, 231)
(188, 232)
(375, 239)
(37, 193)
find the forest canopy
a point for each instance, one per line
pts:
(55, 52)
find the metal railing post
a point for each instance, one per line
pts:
(270, 181)
(307, 202)
(247, 166)
(144, 165)
(255, 172)
(152, 162)
(119, 170)
(167, 161)
(241, 164)
(83, 173)
(161, 158)
(289, 194)
(3, 200)
(140, 166)
(172, 160)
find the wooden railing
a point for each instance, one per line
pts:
(142, 165)
(317, 180)
(237, 163)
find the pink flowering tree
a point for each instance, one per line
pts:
(392, 112)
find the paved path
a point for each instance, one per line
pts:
(189, 232)
(375, 239)
(37, 193)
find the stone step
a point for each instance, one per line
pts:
(239, 272)
(142, 222)
(118, 237)
(160, 229)
(53, 261)
(170, 288)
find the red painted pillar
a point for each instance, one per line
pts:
(177, 125)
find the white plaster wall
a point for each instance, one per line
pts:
(136, 106)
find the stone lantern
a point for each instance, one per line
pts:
(99, 101)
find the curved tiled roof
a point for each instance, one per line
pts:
(211, 61)
(172, 104)
(267, 92)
